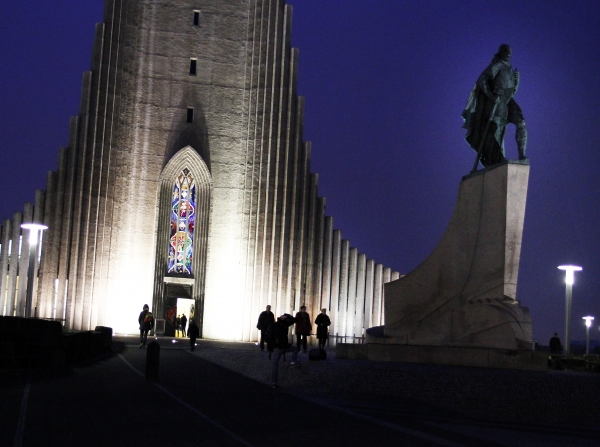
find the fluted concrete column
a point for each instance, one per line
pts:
(352, 280)
(4, 257)
(378, 295)
(360, 295)
(369, 282)
(327, 264)
(305, 180)
(336, 260)
(285, 133)
(47, 268)
(387, 277)
(344, 276)
(11, 287)
(318, 272)
(67, 217)
(295, 251)
(311, 242)
(23, 262)
(38, 217)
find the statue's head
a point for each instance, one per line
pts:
(504, 53)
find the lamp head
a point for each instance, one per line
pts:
(33, 230)
(588, 321)
(569, 269)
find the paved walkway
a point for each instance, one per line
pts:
(547, 398)
(220, 395)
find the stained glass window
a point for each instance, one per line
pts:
(183, 215)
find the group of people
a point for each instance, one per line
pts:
(146, 321)
(180, 324)
(303, 327)
(277, 332)
(266, 321)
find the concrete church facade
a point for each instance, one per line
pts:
(186, 176)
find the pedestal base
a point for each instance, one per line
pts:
(445, 355)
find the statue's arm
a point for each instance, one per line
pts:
(484, 85)
(486, 81)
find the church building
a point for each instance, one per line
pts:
(186, 184)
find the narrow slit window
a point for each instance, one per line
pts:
(196, 18)
(190, 115)
(192, 67)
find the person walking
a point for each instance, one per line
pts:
(265, 319)
(193, 332)
(303, 328)
(282, 345)
(555, 345)
(183, 324)
(146, 321)
(322, 323)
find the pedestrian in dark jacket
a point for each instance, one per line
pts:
(183, 324)
(265, 319)
(555, 345)
(322, 323)
(193, 333)
(178, 326)
(303, 328)
(146, 320)
(283, 345)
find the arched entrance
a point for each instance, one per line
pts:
(182, 236)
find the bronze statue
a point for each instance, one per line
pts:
(490, 107)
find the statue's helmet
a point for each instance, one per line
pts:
(504, 53)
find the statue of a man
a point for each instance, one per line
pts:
(491, 106)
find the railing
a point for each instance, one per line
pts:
(346, 339)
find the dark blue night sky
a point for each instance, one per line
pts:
(385, 83)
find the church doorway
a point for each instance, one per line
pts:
(185, 306)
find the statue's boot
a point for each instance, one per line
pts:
(521, 137)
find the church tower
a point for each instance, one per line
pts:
(186, 176)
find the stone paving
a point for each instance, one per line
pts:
(218, 394)
(554, 398)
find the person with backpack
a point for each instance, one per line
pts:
(303, 328)
(146, 320)
(278, 343)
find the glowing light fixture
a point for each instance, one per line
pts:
(35, 234)
(569, 279)
(588, 324)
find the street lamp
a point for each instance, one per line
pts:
(569, 278)
(35, 231)
(588, 324)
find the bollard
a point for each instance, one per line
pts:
(152, 361)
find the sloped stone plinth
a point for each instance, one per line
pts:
(459, 306)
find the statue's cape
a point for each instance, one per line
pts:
(476, 115)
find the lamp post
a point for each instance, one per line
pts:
(569, 279)
(35, 231)
(588, 324)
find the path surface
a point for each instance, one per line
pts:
(220, 396)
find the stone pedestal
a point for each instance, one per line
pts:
(464, 294)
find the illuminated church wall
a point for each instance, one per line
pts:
(201, 91)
